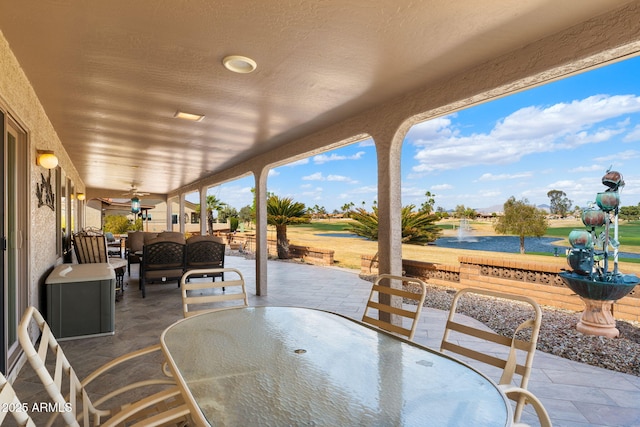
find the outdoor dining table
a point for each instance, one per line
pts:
(288, 366)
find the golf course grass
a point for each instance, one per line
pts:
(331, 234)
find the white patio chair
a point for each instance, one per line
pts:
(476, 348)
(164, 407)
(12, 405)
(416, 293)
(518, 393)
(201, 296)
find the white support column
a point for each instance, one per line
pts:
(389, 152)
(203, 210)
(181, 219)
(261, 231)
(169, 213)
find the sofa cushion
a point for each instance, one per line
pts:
(199, 238)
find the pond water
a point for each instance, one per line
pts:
(510, 244)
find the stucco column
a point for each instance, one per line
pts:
(169, 212)
(262, 251)
(388, 143)
(203, 210)
(181, 221)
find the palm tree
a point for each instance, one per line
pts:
(418, 228)
(281, 212)
(213, 204)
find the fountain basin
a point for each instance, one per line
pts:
(618, 285)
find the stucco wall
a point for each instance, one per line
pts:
(18, 97)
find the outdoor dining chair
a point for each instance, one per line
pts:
(162, 405)
(91, 247)
(517, 393)
(200, 296)
(517, 352)
(413, 290)
(12, 405)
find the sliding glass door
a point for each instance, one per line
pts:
(14, 192)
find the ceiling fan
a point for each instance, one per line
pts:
(133, 192)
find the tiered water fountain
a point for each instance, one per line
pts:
(589, 258)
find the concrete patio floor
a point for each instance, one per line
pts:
(574, 394)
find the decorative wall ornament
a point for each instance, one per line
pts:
(44, 191)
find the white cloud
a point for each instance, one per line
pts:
(318, 176)
(592, 168)
(504, 176)
(298, 162)
(529, 130)
(341, 178)
(616, 157)
(633, 136)
(440, 187)
(273, 172)
(314, 177)
(323, 158)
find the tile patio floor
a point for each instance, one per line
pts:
(574, 394)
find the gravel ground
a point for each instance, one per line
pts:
(558, 334)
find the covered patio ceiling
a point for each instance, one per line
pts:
(112, 74)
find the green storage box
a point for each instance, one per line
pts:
(81, 300)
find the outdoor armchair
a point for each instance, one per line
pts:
(162, 404)
(162, 261)
(205, 252)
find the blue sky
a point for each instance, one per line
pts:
(562, 136)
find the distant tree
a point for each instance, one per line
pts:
(559, 203)
(227, 212)
(246, 214)
(117, 224)
(282, 212)
(521, 219)
(629, 213)
(347, 207)
(462, 211)
(427, 207)
(418, 228)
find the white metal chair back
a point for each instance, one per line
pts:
(518, 347)
(414, 290)
(201, 295)
(12, 405)
(67, 391)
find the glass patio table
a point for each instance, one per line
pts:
(295, 366)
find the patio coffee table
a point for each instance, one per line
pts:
(296, 366)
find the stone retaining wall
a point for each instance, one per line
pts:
(315, 256)
(534, 279)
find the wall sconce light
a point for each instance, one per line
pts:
(82, 196)
(135, 205)
(46, 159)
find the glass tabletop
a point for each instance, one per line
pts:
(295, 366)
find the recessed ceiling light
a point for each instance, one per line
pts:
(239, 64)
(188, 116)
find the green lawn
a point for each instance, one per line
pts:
(337, 225)
(629, 232)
